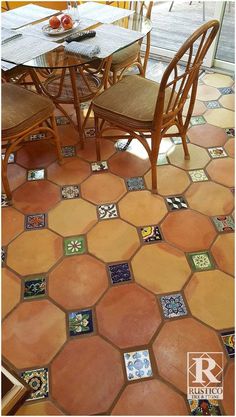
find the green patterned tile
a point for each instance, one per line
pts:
(201, 261)
(74, 245)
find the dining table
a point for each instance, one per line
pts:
(60, 74)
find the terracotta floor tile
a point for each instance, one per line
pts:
(68, 135)
(11, 291)
(230, 148)
(72, 217)
(223, 252)
(127, 165)
(42, 408)
(16, 176)
(36, 197)
(188, 230)
(210, 198)
(198, 109)
(128, 315)
(207, 93)
(78, 282)
(207, 135)
(95, 367)
(12, 224)
(222, 171)
(33, 252)
(160, 268)
(113, 240)
(103, 188)
(36, 154)
(198, 157)
(220, 117)
(150, 398)
(218, 80)
(71, 172)
(27, 327)
(185, 335)
(89, 151)
(227, 101)
(170, 180)
(229, 393)
(215, 308)
(142, 208)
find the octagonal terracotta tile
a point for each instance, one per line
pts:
(210, 198)
(213, 307)
(223, 252)
(11, 291)
(128, 315)
(170, 180)
(220, 117)
(42, 408)
(113, 240)
(185, 335)
(16, 176)
(142, 208)
(229, 147)
(72, 217)
(72, 172)
(33, 252)
(222, 171)
(227, 101)
(218, 80)
(36, 154)
(207, 93)
(89, 151)
(198, 109)
(150, 398)
(12, 224)
(198, 157)
(103, 188)
(99, 383)
(229, 393)
(127, 165)
(36, 197)
(207, 135)
(188, 230)
(33, 333)
(160, 268)
(78, 282)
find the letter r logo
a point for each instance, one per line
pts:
(204, 366)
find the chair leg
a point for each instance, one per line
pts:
(57, 140)
(114, 77)
(154, 177)
(156, 140)
(5, 181)
(185, 146)
(97, 138)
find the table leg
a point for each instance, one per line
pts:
(77, 105)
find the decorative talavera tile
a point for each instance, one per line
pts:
(35, 221)
(70, 191)
(176, 203)
(80, 322)
(177, 140)
(74, 245)
(119, 273)
(35, 174)
(198, 175)
(107, 211)
(201, 261)
(3, 255)
(150, 234)
(137, 365)
(37, 136)
(85, 105)
(224, 223)
(4, 200)
(38, 380)
(229, 342)
(230, 132)
(62, 120)
(89, 133)
(68, 151)
(99, 166)
(135, 184)
(34, 287)
(204, 408)
(217, 152)
(11, 158)
(212, 104)
(197, 120)
(162, 159)
(122, 145)
(173, 306)
(226, 90)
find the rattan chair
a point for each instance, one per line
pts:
(24, 113)
(145, 109)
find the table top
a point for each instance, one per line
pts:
(58, 58)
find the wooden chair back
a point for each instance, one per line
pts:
(195, 47)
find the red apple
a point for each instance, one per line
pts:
(65, 15)
(67, 22)
(54, 22)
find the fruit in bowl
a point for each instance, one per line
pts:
(67, 22)
(54, 22)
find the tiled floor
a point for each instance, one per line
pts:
(106, 287)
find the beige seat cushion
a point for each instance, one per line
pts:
(130, 101)
(22, 109)
(125, 55)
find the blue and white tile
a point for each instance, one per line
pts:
(173, 306)
(138, 365)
